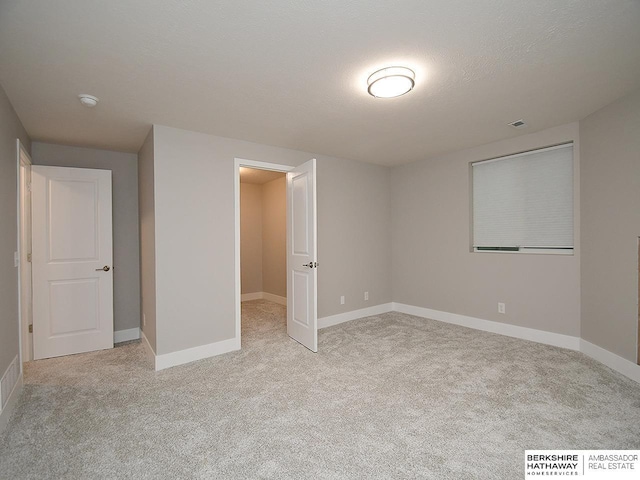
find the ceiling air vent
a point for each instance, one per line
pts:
(518, 124)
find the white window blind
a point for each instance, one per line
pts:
(524, 200)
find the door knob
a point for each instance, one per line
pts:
(311, 265)
(106, 268)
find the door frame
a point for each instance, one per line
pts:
(241, 162)
(25, 341)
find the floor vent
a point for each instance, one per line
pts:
(518, 124)
(8, 381)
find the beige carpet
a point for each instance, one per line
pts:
(390, 396)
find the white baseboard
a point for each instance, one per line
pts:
(354, 314)
(274, 298)
(188, 355)
(126, 335)
(540, 336)
(148, 349)
(245, 297)
(611, 360)
(5, 413)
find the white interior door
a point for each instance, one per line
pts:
(72, 260)
(302, 273)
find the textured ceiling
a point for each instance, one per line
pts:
(293, 73)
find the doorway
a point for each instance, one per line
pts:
(263, 230)
(263, 249)
(300, 242)
(258, 276)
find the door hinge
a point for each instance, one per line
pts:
(29, 187)
(29, 257)
(31, 328)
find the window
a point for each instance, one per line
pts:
(524, 202)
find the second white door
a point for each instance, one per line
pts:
(302, 272)
(72, 261)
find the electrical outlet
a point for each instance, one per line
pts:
(342, 300)
(366, 296)
(501, 307)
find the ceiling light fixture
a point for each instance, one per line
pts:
(391, 82)
(88, 100)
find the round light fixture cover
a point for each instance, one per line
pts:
(391, 82)
(88, 100)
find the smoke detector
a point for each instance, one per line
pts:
(88, 100)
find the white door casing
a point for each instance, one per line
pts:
(302, 272)
(24, 245)
(72, 248)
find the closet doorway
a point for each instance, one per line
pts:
(300, 243)
(263, 235)
(261, 243)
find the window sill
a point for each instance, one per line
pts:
(530, 251)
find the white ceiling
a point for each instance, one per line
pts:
(257, 176)
(293, 73)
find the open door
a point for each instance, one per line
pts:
(72, 261)
(302, 273)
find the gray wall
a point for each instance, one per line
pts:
(10, 129)
(194, 224)
(274, 237)
(354, 235)
(433, 265)
(610, 208)
(146, 202)
(251, 237)
(124, 168)
(263, 237)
